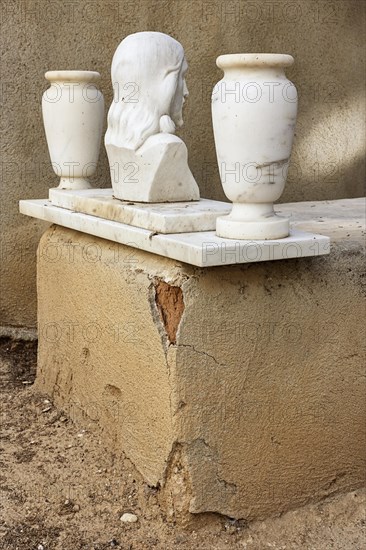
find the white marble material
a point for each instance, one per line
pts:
(178, 217)
(203, 249)
(73, 116)
(148, 163)
(254, 110)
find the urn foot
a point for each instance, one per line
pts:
(252, 222)
(74, 183)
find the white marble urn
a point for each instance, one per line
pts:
(73, 115)
(254, 110)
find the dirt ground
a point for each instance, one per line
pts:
(62, 490)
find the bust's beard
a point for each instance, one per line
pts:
(178, 118)
(178, 121)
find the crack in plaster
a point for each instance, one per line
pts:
(201, 352)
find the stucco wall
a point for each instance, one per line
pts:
(39, 35)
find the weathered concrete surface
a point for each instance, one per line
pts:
(100, 351)
(38, 35)
(238, 390)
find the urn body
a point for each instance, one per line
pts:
(254, 109)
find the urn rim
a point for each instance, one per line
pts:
(72, 76)
(264, 60)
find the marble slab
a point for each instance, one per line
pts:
(202, 249)
(178, 217)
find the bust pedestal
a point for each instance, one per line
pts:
(157, 172)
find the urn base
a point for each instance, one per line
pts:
(252, 222)
(74, 183)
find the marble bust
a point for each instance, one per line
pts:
(148, 162)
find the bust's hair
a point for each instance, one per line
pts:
(145, 71)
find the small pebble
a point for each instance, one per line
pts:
(128, 518)
(40, 547)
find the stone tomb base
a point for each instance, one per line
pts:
(237, 390)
